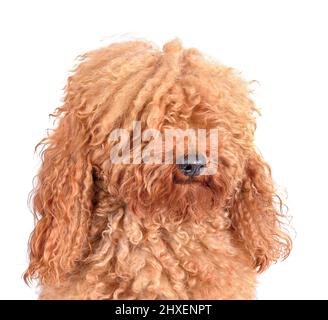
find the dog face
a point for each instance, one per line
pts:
(115, 87)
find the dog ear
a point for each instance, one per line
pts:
(62, 201)
(257, 215)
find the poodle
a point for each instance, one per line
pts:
(135, 229)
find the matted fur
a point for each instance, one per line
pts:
(109, 231)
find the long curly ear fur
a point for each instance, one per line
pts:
(258, 217)
(62, 201)
(63, 198)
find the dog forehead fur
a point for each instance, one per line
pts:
(127, 231)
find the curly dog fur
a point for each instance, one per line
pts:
(111, 231)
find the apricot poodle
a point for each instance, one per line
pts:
(145, 230)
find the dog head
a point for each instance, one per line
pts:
(102, 155)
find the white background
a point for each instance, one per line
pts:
(282, 44)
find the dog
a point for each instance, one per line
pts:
(151, 229)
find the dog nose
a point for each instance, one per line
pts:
(191, 166)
